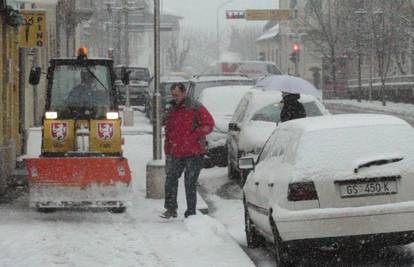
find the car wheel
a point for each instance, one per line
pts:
(118, 210)
(232, 173)
(147, 111)
(243, 177)
(208, 163)
(46, 210)
(253, 238)
(281, 253)
(222, 159)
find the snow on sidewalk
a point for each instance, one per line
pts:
(137, 238)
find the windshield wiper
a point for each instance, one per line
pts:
(96, 78)
(377, 162)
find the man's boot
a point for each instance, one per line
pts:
(188, 213)
(168, 214)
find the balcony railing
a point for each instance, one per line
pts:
(376, 81)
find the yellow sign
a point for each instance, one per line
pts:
(32, 32)
(268, 14)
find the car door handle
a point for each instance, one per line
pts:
(270, 184)
(256, 183)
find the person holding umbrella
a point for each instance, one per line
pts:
(292, 108)
(291, 87)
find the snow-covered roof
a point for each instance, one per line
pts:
(220, 78)
(173, 79)
(269, 34)
(343, 121)
(223, 99)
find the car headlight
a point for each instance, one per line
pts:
(112, 115)
(51, 115)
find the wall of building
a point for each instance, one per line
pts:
(10, 132)
(278, 48)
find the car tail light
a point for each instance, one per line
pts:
(302, 191)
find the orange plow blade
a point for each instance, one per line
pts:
(85, 182)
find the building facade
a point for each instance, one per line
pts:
(278, 39)
(10, 128)
(107, 28)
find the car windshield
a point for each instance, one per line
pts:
(75, 88)
(271, 113)
(200, 86)
(140, 74)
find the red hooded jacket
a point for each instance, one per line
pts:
(186, 126)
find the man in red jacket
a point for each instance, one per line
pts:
(186, 125)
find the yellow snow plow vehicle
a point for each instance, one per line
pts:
(81, 162)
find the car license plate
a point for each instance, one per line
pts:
(358, 189)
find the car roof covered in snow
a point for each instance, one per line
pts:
(342, 121)
(209, 78)
(225, 89)
(173, 79)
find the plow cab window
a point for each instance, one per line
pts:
(80, 92)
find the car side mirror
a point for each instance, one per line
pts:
(35, 74)
(246, 163)
(234, 127)
(125, 75)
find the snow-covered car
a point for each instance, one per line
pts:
(255, 118)
(221, 102)
(200, 82)
(331, 182)
(253, 69)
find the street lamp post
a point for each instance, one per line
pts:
(157, 95)
(156, 167)
(382, 91)
(218, 28)
(360, 13)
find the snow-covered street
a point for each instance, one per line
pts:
(290, 122)
(140, 238)
(137, 238)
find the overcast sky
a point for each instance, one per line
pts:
(202, 13)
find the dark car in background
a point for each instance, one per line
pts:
(139, 85)
(165, 86)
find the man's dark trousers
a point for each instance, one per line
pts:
(174, 168)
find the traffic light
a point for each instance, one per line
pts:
(294, 56)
